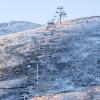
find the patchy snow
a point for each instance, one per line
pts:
(12, 83)
(16, 26)
(68, 60)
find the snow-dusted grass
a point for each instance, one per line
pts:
(70, 61)
(12, 83)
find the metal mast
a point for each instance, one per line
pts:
(61, 13)
(37, 74)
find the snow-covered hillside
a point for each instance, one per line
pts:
(68, 59)
(16, 26)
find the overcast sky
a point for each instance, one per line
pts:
(40, 11)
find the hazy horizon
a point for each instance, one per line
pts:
(40, 12)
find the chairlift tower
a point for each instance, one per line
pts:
(61, 13)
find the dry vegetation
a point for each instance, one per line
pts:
(91, 93)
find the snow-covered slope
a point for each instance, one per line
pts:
(16, 26)
(68, 60)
